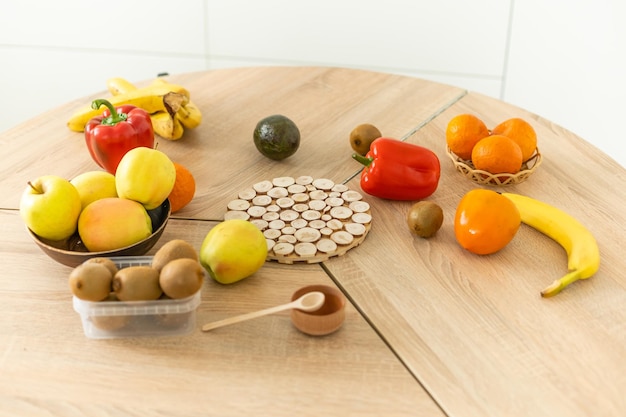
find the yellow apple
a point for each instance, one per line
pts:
(94, 185)
(233, 250)
(50, 206)
(113, 223)
(145, 175)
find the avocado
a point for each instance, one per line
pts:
(277, 137)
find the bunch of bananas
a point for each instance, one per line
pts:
(170, 107)
(583, 254)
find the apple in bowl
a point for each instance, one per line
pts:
(52, 210)
(73, 252)
(50, 206)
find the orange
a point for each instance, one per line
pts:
(463, 132)
(521, 132)
(497, 154)
(184, 188)
(485, 221)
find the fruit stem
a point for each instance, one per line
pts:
(556, 287)
(362, 159)
(34, 188)
(114, 118)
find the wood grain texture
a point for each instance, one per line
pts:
(431, 329)
(474, 329)
(265, 366)
(325, 103)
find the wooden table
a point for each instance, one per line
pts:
(431, 329)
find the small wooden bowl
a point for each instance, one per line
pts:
(467, 169)
(72, 252)
(328, 319)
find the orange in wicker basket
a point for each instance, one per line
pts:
(467, 169)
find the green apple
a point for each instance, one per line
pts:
(113, 223)
(145, 175)
(233, 250)
(94, 185)
(50, 206)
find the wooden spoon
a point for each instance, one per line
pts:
(308, 302)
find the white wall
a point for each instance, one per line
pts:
(559, 59)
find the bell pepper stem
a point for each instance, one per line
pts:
(114, 118)
(362, 159)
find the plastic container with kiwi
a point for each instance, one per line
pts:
(116, 318)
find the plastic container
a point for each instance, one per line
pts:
(118, 319)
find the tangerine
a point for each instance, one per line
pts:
(485, 221)
(521, 132)
(184, 188)
(463, 132)
(497, 154)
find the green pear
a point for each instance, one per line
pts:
(145, 175)
(233, 250)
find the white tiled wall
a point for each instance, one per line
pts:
(560, 59)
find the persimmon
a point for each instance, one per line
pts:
(485, 221)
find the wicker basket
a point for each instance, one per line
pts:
(485, 178)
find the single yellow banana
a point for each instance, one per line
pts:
(120, 85)
(189, 115)
(583, 254)
(117, 86)
(166, 126)
(157, 100)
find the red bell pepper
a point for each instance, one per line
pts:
(117, 131)
(397, 170)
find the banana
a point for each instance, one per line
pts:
(166, 126)
(119, 85)
(189, 115)
(157, 99)
(583, 254)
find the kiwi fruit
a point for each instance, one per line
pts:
(425, 218)
(110, 323)
(106, 262)
(91, 281)
(181, 277)
(173, 319)
(137, 283)
(174, 249)
(362, 136)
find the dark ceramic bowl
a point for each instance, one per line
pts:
(72, 252)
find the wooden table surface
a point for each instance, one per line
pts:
(431, 329)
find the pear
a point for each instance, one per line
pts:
(233, 250)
